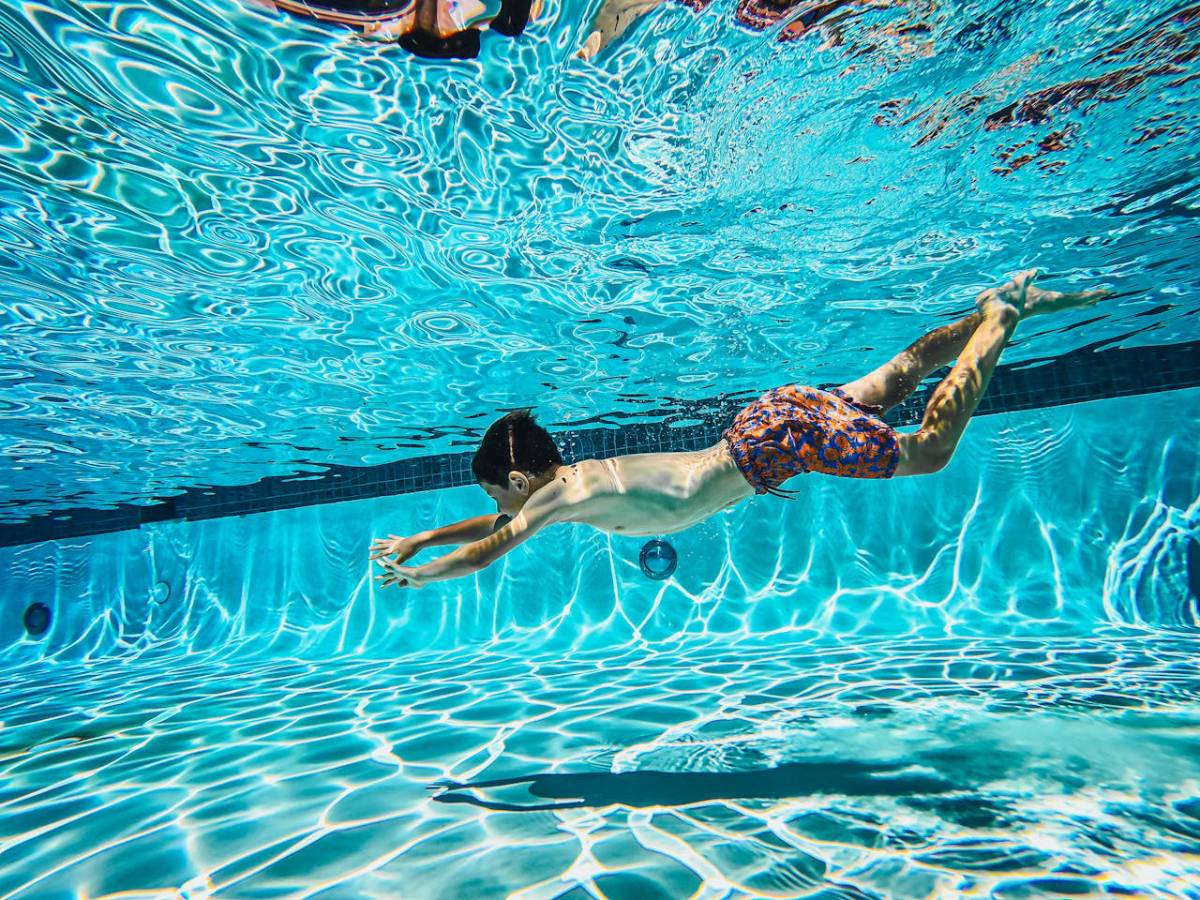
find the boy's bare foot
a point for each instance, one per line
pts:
(1010, 297)
(613, 19)
(1039, 302)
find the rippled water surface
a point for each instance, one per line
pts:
(237, 243)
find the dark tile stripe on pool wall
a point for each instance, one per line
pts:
(1071, 378)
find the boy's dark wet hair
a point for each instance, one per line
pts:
(514, 443)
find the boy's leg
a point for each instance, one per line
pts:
(956, 398)
(892, 382)
(899, 376)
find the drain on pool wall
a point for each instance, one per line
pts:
(37, 619)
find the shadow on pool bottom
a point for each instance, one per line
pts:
(1016, 768)
(641, 789)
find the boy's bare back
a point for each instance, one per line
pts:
(645, 493)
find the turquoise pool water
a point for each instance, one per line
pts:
(236, 244)
(979, 683)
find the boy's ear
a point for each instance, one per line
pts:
(518, 481)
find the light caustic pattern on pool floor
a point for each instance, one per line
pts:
(1022, 768)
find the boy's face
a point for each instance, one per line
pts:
(511, 498)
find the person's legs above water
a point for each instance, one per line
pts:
(614, 18)
(896, 379)
(425, 38)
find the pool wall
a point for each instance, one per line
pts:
(1089, 509)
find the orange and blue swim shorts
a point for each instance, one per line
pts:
(796, 429)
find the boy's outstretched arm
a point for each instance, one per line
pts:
(464, 532)
(538, 513)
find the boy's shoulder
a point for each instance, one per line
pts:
(574, 484)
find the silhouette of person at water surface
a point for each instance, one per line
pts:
(788, 431)
(1161, 49)
(432, 29)
(438, 29)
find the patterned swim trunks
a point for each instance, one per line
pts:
(796, 429)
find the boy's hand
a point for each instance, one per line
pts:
(401, 548)
(401, 576)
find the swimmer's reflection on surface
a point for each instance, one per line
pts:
(650, 788)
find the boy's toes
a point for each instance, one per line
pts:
(1020, 286)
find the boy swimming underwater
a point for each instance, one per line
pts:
(786, 431)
